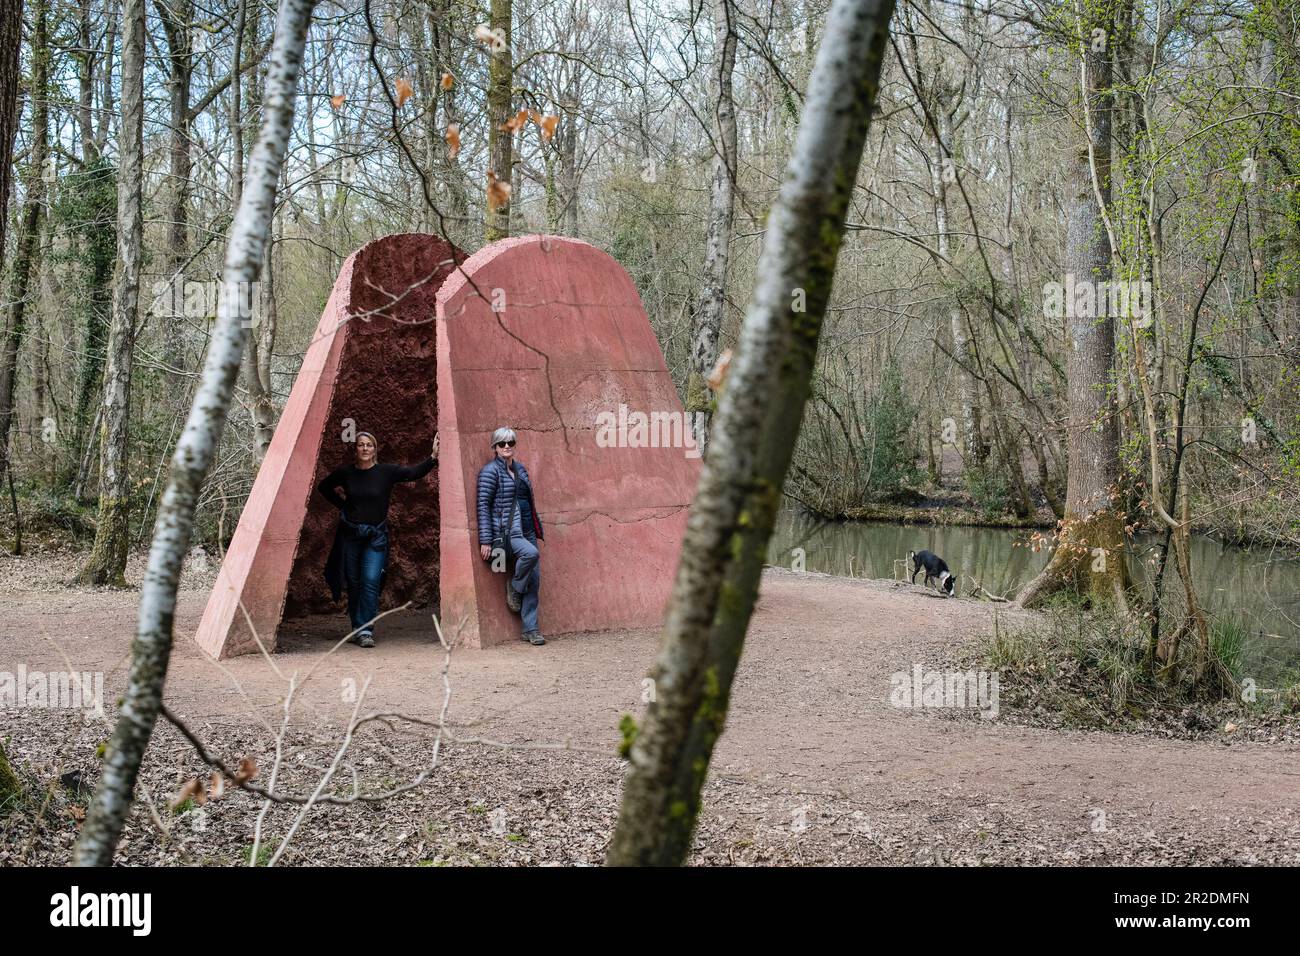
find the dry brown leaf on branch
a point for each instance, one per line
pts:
(548, 124)
(337, 101)
(515, 122)
(719, 373)
(404, 91)
(494, 40)
(191, 790)
(453, 140)
(447, 81)
(498, 193)
(246, 770)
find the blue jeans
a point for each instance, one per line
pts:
(363, 569)
(527, 580)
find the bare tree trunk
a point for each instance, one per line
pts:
(942, 167)
(500, 141)
(11, 34)
(442, 29)
(245, 251)
(106, 107)
(176, 16)
(86, 56)
(710, 307)
(30, 222)
(261, 345)
(758, 422)
(107, 562)
(938, 99)
(1089, 555)
(257, 372)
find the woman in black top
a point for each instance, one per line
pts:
(360, 551)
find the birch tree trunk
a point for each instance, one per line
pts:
(753, 438)
(722, 192)
(245, 252)
(1089, 555)
(29, 226)
(107, 563)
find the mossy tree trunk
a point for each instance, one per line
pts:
(501, 72)
(29, 221)
(10, 786)
(762, 405)
(107, 562)
(1089, 554)
(176, 17)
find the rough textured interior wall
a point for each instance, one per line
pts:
(386, 385)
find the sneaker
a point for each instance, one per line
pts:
(366, 639)
(514, 600)
(535, 638)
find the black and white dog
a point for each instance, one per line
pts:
(935, 570)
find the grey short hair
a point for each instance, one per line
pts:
(503, 434)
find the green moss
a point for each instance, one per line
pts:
(11, 790)
(698, 398)
(628, 728)
(737, 546)
(730, 600)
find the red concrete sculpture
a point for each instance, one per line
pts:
(369, 367)
(544, 334)
(548, 336)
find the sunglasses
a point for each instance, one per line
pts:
(505, 444)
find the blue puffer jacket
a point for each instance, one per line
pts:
(496, 498)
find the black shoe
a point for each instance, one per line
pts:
(514, 600)
(535, 638)
(366, 639)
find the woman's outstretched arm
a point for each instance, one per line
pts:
(416, 472)
(413, 472)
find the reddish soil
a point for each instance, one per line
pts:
(811, 738)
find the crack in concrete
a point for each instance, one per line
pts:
(588, 513)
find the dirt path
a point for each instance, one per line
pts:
(815, 764)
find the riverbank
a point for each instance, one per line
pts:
(817, 765)
(959, 511)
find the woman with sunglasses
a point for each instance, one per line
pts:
(360, 551)
(508, 521)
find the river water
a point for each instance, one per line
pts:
(1258, 587)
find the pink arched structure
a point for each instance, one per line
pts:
(541, 333)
